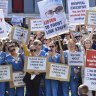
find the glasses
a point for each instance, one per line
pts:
(32, 50)
(51, 46)
(11, 50)
(39, 44)
(58, 10)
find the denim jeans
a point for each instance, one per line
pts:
(2, 88)
(72, 84)
(51, 87)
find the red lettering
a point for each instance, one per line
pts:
(49, 21)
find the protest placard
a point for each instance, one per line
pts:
(16, 34)
(77, 11)
(54, 19)
(89, 28)
(76, 59)
(90, 78)
(90, 17)
(56, 71)
(35, 64)
(3, 31)
(5, 73)
(8, 27)
(18, 79)
(4, 6)
(91, 58)
(36, 25)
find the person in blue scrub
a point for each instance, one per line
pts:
(51, 86)
(17, 62)
(2, 84)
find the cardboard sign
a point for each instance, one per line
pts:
(16, 34)
(76, 59)
(77, 11)
(53, 16)
(35, 64)
(59, 72)
(91, 58)
(90, 78)
(18, 79)
(36, 25)
(5, 73)
(8, 27)
(90, 17)
(4, 6)
(3, 31)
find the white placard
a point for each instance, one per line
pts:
(36, 25)
(8, 27)
(5, 73)
(18, 79)
(3, 31)
(77, 11)
(90, 78)
(17, 34)
(59, 71)
(36, 63)
(54, 19)
(4, 6)
(91, 17)
(76, 59)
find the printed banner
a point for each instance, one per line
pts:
(77, 11)
(3, 31)
(36, 25)
(18, 79)
(5, 73)
(4, 6)
(35, 64)
(76, 59)
(59, 72)
(16, 34)
(53, 16)
(90, 17)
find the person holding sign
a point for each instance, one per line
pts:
(51, 86)
(33, 85)
(2, 84)
(17, 62)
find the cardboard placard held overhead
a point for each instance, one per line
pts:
(76, 59)
(5, 73)
(77, 11)
(56, 71)
(54, 21)
(16, 34)
(3, 31)
(36, 25)
(90, 17)
(18, 79)
(35, 64)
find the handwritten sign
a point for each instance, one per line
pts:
(74, 59)
(18, 79)
(36, 64)
(8, 27)
(90, 17)
(36, 25)
(59, 72)
(77, 11)
(54, 21)
(16, 34)
(5, 73)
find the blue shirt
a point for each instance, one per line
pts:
(2, 57)
(17, 64)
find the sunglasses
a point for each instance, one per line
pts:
(32, 50)
(11, 50)
(51, 46)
